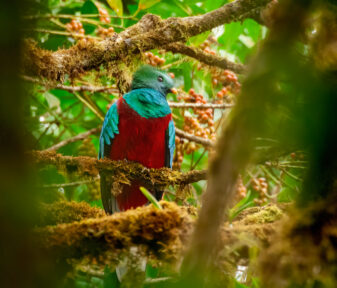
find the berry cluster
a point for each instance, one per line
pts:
(105, 32)
(206, 45)
(203, 125)
(222, 93)
(227, 79)
(153, 60)
(241, 188)
(200, 124)
(229, 82)
(179, 155)
(261, 186)
(75, 27)
(104, 15)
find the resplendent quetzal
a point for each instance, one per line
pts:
(138, 127)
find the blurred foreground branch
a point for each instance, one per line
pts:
(236, 146)
(161, 233)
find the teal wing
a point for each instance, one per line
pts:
(109, 130)
(170, 144)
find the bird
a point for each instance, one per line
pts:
(138, 127)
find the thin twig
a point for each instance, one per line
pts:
(62, 185)
(72, 34)
(73, 139)
(94, 109)
(200, 105)
(68, 16)
(209, 59)
(92, 89)
(196, 139)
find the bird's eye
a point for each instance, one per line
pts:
(160, 79)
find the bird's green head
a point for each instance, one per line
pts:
(149, 77)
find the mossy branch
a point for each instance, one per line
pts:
(211, 60)
(162, 234)
(149, 33)
(159, 232)
(67, 212)
(121, 171)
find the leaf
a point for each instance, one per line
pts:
(151, 198)
(117, 6)
(89, 7)
(53, 102)
(144, 4)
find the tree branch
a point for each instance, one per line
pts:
(149, 33)
(121, 171)
(196, 139)
(212, 60)
(161, 233)
(200, 105)
(71, 89)
(179, 132)
(73, 139)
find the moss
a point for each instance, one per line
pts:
(267, 214)
(120, 171)
(85, 55)
(304, 251)
(160, 233)
(67, 212)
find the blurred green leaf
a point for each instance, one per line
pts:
(144, 4)
(151, 198)
(117, 6)
(286, 195)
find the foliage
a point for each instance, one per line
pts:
(57, 114)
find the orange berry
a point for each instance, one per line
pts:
(224, 90)
(191, 91)
(220, 94)
(171, 75)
